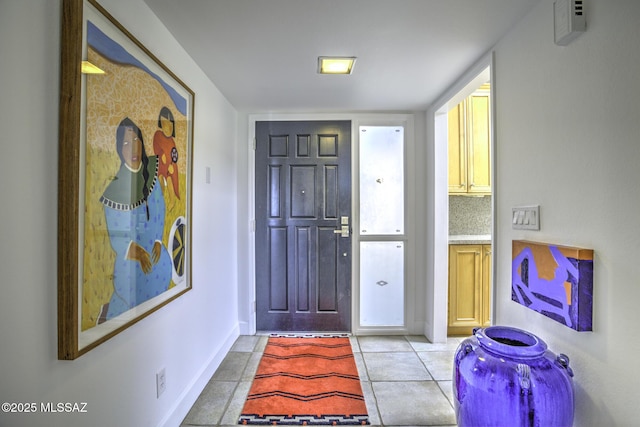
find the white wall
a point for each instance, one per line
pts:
(189, 336)
(568, 130)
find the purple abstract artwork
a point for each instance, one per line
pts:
(556, 281)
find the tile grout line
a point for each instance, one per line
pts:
(235, 388)
(244, 370)
(373, 393)
(230, 398)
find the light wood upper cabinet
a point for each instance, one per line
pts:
(469, 288)
(457, 150)
(470, 145)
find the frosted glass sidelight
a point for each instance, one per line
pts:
(381, 283)
(381, 180)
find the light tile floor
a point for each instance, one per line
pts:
(406, 381)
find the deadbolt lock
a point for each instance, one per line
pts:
(344, 230)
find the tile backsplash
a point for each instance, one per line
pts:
(469, 215)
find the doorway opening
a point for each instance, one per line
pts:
(464, 205)
(470, 211)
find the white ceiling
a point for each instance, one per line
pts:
(262, 54)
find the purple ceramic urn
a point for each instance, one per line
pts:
(505, 376)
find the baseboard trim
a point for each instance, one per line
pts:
(428, 330)
(185, 401)
(245, 328)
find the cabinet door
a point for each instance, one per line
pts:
(479, 144)
(457, 150)
(465, 289)
(486, 285)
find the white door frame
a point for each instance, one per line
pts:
(437, 194)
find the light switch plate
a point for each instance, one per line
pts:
(526, 218)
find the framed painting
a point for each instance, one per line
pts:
(125, 177)
(556, 281)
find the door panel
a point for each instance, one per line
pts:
(480, 144)
(465, 289)
(275, 204)
(328, 270)
(457, 150)
(278, 292)
(302, 182)
(303, 260)
(303, 190)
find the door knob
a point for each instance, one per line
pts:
(343, 231)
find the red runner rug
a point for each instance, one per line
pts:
(306, 381)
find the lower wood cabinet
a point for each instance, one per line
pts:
(469, 288)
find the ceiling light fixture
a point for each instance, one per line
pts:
(336, 64)
(89, 68)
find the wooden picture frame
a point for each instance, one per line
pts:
(125, 178)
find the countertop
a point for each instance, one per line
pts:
(470, 239)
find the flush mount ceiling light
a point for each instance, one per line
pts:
(336, 64)
(89, 68)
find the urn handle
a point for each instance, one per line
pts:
(524, 375)
(563, 361)
(468, 348)
(462, 352)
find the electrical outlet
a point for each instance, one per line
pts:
(161, 382)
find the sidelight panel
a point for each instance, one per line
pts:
(381, 180)
(382, 283)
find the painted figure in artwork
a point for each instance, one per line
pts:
(134, 209)
(553, 292)
(164, 147)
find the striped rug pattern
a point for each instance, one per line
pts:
(306, 381)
